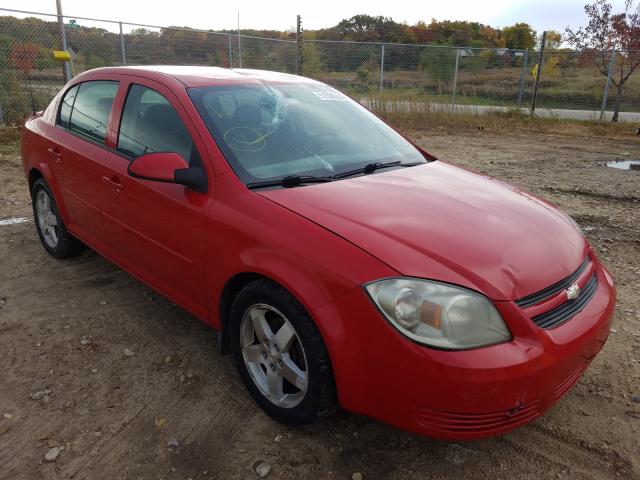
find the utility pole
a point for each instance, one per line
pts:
(239, 43)
(382, 67)
(538, 72)
(66, 71)
(605, 96)
(123, 55)
(298, 45)
(455, 81)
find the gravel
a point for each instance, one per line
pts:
(52, 454)
(57, 303)
(262, 469)
(40, 394)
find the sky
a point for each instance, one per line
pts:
(281, 15)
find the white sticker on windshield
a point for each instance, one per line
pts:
(325, 93)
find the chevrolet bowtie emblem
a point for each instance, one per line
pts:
(573, 292)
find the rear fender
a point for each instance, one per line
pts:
(45, 171)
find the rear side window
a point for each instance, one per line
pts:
(89, 113)
(150, 124)
(66, 106)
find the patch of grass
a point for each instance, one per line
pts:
(9, 134)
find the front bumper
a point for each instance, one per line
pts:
(460, 395)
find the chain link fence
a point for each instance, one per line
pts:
(580, 80)
(30, 76)
(572, 84)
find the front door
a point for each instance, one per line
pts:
(157, 230)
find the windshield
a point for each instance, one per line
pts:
(269, 132)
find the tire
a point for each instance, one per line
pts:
(54, 236)
(301, 402)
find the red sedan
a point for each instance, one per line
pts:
(341, 264)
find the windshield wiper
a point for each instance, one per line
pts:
(297, 180)
(289, 181)
(372, 167)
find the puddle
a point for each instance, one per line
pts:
(624, 164)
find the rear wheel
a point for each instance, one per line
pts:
(54, 236)
(280, 354)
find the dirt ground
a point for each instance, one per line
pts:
(176, 409)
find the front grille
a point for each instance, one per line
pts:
(550, 291)
(561, 314)
(486, 423)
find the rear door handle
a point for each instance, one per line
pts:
(113, 182)
(55, 153)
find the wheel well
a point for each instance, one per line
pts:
(229, 292)
(34, 174)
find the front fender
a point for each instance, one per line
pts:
(247, 233)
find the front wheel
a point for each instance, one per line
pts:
(280, 354)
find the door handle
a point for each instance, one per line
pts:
(55, 153)
(113, 182)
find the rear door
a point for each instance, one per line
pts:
(157, 229)
(79, 148)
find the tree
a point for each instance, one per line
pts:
(491, 37)
(606, 32)
(373, 29)
(6, 46)
(218, 57)
(362, 26)
(23, 57)
(439, 62)
(454, 33)
(312, 62)
(551, 66)
(519, 36)
(554, 40)
(422, 33)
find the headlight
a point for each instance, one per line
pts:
(437, 314)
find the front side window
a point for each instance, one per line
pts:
(150, 124)
(269, 132)
(89, 115)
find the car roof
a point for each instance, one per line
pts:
(199, 76)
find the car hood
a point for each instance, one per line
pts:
(443, 222)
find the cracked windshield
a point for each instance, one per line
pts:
(273, 131)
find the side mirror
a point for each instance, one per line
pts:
(168, 167)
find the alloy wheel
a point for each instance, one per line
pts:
(47, 218)
(274, 355)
